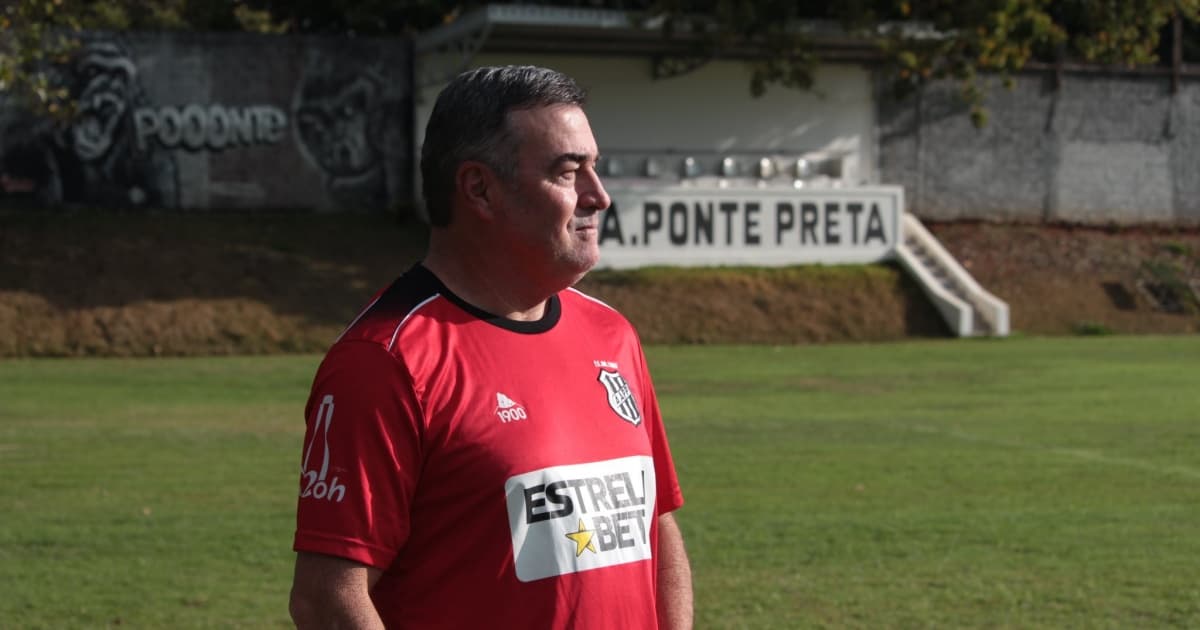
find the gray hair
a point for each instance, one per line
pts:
(470, 122)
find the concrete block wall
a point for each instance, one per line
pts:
(1094, 149)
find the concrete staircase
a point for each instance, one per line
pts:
(969, 309)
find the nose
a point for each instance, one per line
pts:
(591, 193)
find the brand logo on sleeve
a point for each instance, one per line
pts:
(568, 519)
(313, 482)
(620, 397)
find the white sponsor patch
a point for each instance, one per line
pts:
(568, 519)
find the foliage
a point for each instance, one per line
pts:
(722, 26)
(368, 17)
(1177, 249)
(36, 35)
(1167, 283)
(1090, 328)
(921, 40)
(970, 37)
(927, 40)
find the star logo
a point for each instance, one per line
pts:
(583, 539)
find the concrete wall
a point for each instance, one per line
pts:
(1095, 149)
(220, 121)
(250, 121)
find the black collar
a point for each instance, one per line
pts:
(548, 320)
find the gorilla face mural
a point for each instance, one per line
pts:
(340, 116)
(110, 168)
(103, 78)
(93, 159)
(335, 128)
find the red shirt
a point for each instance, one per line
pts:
(500, 473)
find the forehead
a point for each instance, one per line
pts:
(553, 130)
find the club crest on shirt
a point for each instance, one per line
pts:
(620, 397)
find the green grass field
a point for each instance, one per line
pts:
(1023, 483)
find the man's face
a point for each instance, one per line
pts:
(551, 208)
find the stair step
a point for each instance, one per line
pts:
(946, 278)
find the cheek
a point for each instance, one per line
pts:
(559, 207)
(567, 202)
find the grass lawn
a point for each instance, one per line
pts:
(1023, 483)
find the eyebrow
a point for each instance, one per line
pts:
(581, 158)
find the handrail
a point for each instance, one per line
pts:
(992, 310)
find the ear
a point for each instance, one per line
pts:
(474, 183)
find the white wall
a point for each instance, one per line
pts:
(710, 111)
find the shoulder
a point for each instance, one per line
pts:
(392, 308)
(593, 307)
(581, 309)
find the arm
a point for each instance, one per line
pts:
(330, 592)
(674, 577)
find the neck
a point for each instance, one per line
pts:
(496, 286)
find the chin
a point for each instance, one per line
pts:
(590, 261)
(577, 268)
(577, 277)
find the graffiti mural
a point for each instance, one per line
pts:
(94, 159)
(212, 128)
(171, 120)
(340, 115)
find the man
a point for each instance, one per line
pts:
(484, 447)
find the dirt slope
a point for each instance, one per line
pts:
(1064, 279)
(112, 284)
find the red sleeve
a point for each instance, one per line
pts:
(361, 456)
(670, 495)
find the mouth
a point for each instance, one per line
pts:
(98, 118)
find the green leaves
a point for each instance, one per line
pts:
(919, 40)
(36, 35)
(930, 40)
(33, 35)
